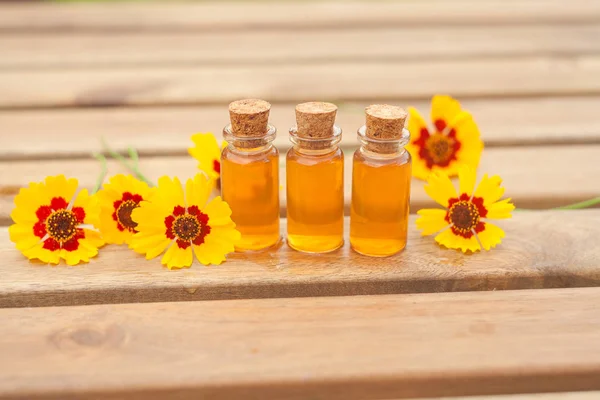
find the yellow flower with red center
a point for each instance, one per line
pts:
(463, 224)
(208, 153)
(48, 222)
(184, 224)
(455, 140)
(118, 198)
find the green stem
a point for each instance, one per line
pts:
(103, 171)
(580, 205)
(134, 169)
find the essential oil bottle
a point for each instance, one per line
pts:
(315, 180)
(250, 174)
(381, 173)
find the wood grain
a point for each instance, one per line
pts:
(99, 50)
(36, 134)
(361, 347)
(550, 176)
(592, 395)
(552, 249)
(367, 80)
(209, 16)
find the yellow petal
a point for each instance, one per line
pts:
(467, 177)
(38, 252)
(22, 236)
(489, 189)
(448, 239)
(198, 190)
(218, 212)
(206, 151)
(444, 108)
(500, 209)
(440, 188)
(416, 123)
(431, 220)
(169, 193)
(490, 236)
(59, 186)
(176, 257)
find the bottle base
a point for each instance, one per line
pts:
(377, 248)
(313, 245)
(258, 246)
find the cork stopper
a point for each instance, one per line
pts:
(249, 117)
(315, 119)
(385, 121)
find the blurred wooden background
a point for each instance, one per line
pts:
(150, 74)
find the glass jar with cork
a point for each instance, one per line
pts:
(315, 180)
(381, 175)
(250, 174)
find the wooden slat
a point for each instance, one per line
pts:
(211, 16)
(592, 395)
(166, 131)
(541, 178)
(337, 81)
(361, 347)
(45, 50)
(541, 250)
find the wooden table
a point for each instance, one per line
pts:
(427, 323)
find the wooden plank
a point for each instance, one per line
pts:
(551, 249)
(47, 50)
(592, 395)
(361, 347)
(338, 81)
(534, 178)
(36, 134)
(211, 16)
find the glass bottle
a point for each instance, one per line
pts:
(250, 174)
(381, 177)
(315, 180)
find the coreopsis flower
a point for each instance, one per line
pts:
(453, 141)
(463, 223)
(48, 218)
(184, 224)
(208, 153)
(118, 198)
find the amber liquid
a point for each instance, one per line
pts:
(315, 200)
(380, 203)
(250, 184)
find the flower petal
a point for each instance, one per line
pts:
(467, 177)
(440, 188)
(176, 257)
(500, 209)
(218, 212)
(206, 151)
(489, 189)
(170, 193)
(490, 236)
(448, 239)
(444, 108)
(198, 190)
(431, 220)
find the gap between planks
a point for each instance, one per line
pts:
(213, 16)
(540, 177)
(360, 347)
(549, 249)
(366, 80)
(142, 49)
(51, 134)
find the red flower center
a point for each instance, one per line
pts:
(187, 228)
(464, 214)
(440, 148)
(59, 226)
(123, 209)
(217, 166)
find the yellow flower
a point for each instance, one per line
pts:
(118, 199)
(48, 218)
(208, 154)
(184, 222)
(463, 223)
(455, 141)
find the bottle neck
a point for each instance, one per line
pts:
(382, 147)
(316, 145)
(249, 144)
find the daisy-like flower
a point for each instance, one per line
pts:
(454, 141)
(48, 218)
(463, 224)
(118, 198)
(208, 153)
(184, 224)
